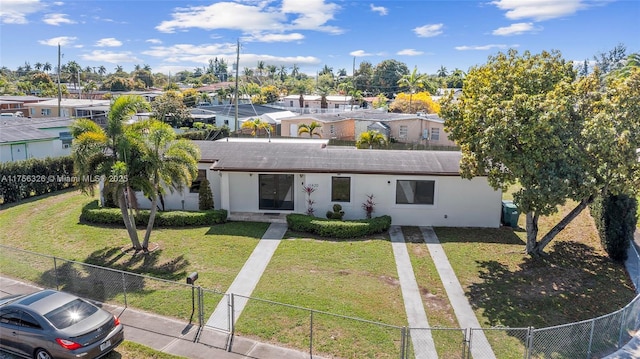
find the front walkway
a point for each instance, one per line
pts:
(464, 313)
(249, 275)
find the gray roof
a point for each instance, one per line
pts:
(30, 129)
(367, 115)
(296, 157)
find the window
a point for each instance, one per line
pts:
(332, 129)
(340, 189)
(70, 313)
(414, 192)
(290, 103)
(66, 139)
(435, 134)
(45, 112)
(29, 322)
(403, 132)
(337, 105)
(10, 317)
(195, 184)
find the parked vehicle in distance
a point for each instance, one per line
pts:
(55, 325)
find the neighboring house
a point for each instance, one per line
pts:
(25, 138)
(313, 103)
(405, 128)
(94, 109)
(413, 187)
(14, 104)
(226, 115)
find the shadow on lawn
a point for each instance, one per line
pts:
(101, 284)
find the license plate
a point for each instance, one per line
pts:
(105, 345)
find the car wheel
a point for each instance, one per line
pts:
(42, 354)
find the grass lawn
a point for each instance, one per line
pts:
(130, 350)
(349, 278)
(356, 278)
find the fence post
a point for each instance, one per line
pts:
(55, 271)
(527, 344)
(531, 334)
(231, 321)
(624, 317)
(124, 290)
(593, 324)
(311, 335)
(403, 342)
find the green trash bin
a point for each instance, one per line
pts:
(510, 214)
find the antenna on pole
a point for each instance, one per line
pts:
(59, 86)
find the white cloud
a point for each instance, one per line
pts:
(379, 9)
(516, 29)
(483, 47)
(154, 41)
(409, 52)
(429, 30)
(539, 10)
(60, 40)
(110, 57)
(16, 11)
(57, 19)
(108, 42)
(360, 53)
(260, 37)
(251, 17)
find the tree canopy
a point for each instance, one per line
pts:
(527, 119)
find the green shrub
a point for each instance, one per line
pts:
(34, 177)
(337, 212)
(615, 219)
(336, 228)
(92, 213)
(205, 197)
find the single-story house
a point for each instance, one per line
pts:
(25, 138)
(417, 128)
(94, 109)
(413, 187)
(313, 103)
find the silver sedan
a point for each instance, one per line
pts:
(50, 324)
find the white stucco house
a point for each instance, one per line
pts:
(24, 138)
(413, 187)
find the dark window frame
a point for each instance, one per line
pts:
(195, 184)
(340, 195)
(419, 196)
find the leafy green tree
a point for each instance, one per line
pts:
(386, 76)
(311, 128)
(169, 107)
(109, 153)
(370, 139)
(524, 119)
(413, 82)
(169, 164)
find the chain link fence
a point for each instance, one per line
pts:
(322, 334)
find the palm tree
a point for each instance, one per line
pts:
(256, 124)
(38, 66)
(260, 68)
(413, 81)
(169, 163)
(272, 69)
(295, 71)
(46, 67)
(442, 71)
(282, 72)
(310, 129)
(119, 68)
(102, 70)
(371, 138)
(109, 153)
(324, 91)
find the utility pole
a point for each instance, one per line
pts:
(236, 95)
(59, 86)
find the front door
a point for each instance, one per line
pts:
(276, 192)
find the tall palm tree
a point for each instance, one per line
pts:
(38, 66)
(324, 91)
(295, 71)
(442, 71)
(260, 68)
(310, 129)
(371, 138)
(256, 124)
(46, 67)
(170, 164)
(109, 153)
(282, 72)
(272, 69)
(102, 70)
(413, 81)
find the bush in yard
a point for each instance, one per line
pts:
(332, 228)
(92, 213)
(615, 218)
(337, 212)
(205, 197)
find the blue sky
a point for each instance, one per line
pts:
(175, 35)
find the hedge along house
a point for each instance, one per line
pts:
(262, 178)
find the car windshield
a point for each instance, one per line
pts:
(70, 313)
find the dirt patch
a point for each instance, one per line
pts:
(394, 282)
(433, 302)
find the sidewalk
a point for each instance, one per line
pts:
(159, 333)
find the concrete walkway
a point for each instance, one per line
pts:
(248, 278)
(480, 347)
(423, 345)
